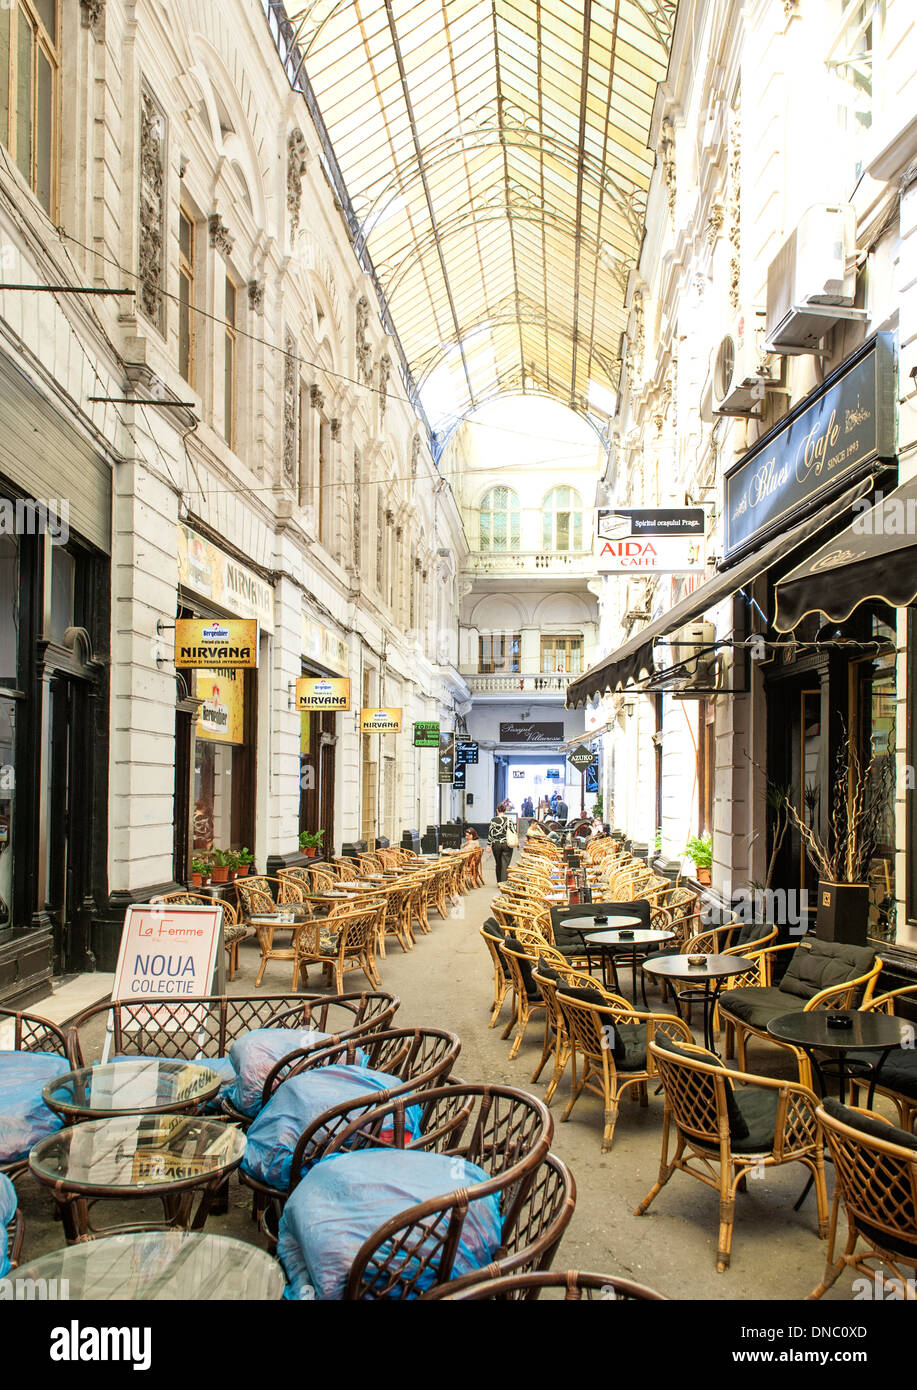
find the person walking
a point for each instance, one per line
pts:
(562, 811)
(527, 808)
(501, 827)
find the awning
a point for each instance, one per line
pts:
(875, 558)
(634, 660)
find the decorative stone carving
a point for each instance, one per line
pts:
(385, 372)
(639, 327)
(316, 398)
(152, 204)
(290, 422)
(357, 510)
(336, 431)
(715, 221)
(91, 13)
(297, 161)
(256, 296)
(667, 155)
(364, 350)
(735, 207)
(220, 238)
(415, 456)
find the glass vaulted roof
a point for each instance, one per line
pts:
(494, 155)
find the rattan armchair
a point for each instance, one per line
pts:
(576, 1286)
(420, 1058)
(343, 941)
(15, 1235)
(876, 1169)
(897, 1076)
(494, 941)
(731, 1124)
(527, 1000)
(31, 1033)
(234, 931)
(610, 1039)
(552, 968)
(504, 1131)
(751, 1000)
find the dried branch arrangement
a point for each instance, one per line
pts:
(859, 798)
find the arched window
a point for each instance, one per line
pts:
(501, 527)
(562, 520)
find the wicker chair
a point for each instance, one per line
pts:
(345, 940)
(207, 1027)
(612, 1040)
(264, 893)
(32, 1033)
(527, 1000)
(502, 981)
(898, 1072)
(234, 931)
(396, 920)
(575, 1284)
(729, 1124)
(553, 969)
(420, 1058)
(752, 1002)
(505, 1131)
(876, 1168)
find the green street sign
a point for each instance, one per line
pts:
(426, 733)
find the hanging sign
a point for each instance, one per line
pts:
(663, 541)
(466, 752)
(322, 692)
(446, 758)
(208, 642)
(380, 721)
(581, 757)
(531, 733)
(426, 733)
(458, 777)
(168, 951)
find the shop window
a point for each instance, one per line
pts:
(562, 655)
(29, 93)
(186, 239)
(562, 520)
(223, 759)
(500, 520)
(498, 654)
(860, 27)
(63, 596)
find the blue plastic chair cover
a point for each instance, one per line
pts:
(255, 1053)
(24, 1117)
(296, 1103)
(346, 1197)
(8, 1205)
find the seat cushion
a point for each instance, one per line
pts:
(738, 1125)
(345, 1198)
(532, 992)
(904, 1243)
(899, 1070)
(875, 1128)
(297, 1103)
(628, 1040)
(757, 1106)
(758, 1004)
(816, 965)
(253, 1056)
(8, 1205)
(24, 1117)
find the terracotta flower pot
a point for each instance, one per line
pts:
(311, 852)
(242, 870)
(704, 877)
(220, 874)
(197, 880)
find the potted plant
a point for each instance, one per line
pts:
(246, 860)
(699, 850)
(310, 842)
(232, 864)
(200, 872)
(841, 856)
(220, 870)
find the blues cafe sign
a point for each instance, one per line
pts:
(834, 435)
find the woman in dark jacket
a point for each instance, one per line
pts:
(500, 827)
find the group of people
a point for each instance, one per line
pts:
(553, 805)
(502, 834)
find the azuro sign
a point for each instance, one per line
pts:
(209, 642)
(831, 438)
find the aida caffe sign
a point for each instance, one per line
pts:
(658, 540)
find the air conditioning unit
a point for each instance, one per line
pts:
(811, 282)
(688, 653)
(738, 367)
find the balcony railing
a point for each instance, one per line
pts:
(525, 683)
(530, 561)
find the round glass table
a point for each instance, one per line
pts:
(863, 1032)
(132, 1086)
(156, 1267)
(176, 1158)
(711, 975)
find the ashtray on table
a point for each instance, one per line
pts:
(625, 934)
(697, 962)
(839, 1021)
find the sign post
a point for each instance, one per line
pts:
(581, 758)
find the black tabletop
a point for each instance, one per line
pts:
(713, 968)
(867, 1031)
(635, 938)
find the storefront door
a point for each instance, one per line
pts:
(68, 821)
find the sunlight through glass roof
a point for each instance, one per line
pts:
(495, 157)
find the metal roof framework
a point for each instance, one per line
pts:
(494, 158)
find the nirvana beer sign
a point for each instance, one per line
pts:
(380, 721)
(209, 642)
(322, 692)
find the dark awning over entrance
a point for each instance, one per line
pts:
(875, 558)
(634, 660)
